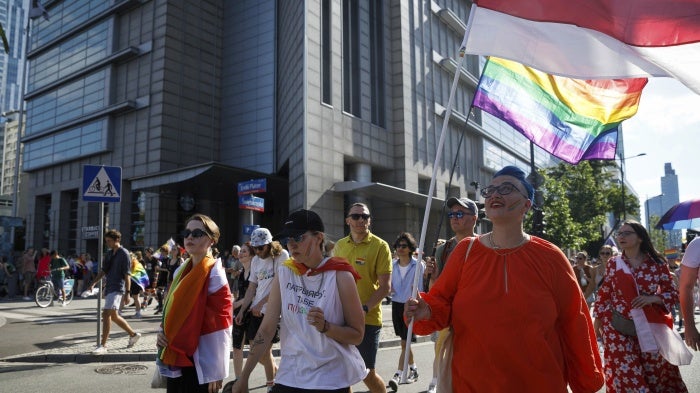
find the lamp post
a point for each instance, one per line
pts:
(622, 181)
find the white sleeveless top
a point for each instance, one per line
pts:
(309, 359)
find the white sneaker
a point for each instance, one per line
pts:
(138, 315)
(100, 350)
(133, 339)
(432, 388)
(412, 375)
(394, 382)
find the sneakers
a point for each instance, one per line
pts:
(412, 375)
(432, 388)
(100, 350)
(394, 382)
(133, 339)
(138, 315)
(26, 298)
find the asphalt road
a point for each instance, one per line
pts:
(25, 328)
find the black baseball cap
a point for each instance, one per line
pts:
(300, 222)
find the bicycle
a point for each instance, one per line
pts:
(46, 292)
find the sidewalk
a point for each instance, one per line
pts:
(79, 349)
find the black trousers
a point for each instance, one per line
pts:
(187, 383)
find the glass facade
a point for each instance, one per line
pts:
(72, 14)
(72, 55)
(70, 144)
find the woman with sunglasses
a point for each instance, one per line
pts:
(403, 272)
(195, 340)
(322, 317)
(245, 256)
(269, 256)
(631, 311)
(519, 320)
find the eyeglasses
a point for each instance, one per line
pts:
(295, 239)
(458, 214)
(356, 216)
(580, 258)
(504, 189)
(197, 233)
(625, 233)
(259, 248)
(402, 245)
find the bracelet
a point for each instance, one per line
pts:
(325, 327)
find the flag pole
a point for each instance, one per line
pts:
(429, 199)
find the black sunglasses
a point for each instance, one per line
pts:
(259, 248)
(402, 245)
(197, 233)
(356, 216)
(295, 239)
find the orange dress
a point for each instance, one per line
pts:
(520, 321)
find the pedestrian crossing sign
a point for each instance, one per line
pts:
(102, 183)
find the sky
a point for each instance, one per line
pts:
(666, 128)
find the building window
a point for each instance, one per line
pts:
(71, 14)
(72, 222)
(71, 144)
(68, 102)
(351, 57)
(376, 39)
(326, 77)
(75, 54)
(138, 218)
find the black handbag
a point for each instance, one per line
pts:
(623, 325)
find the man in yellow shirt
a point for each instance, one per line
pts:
(371, 257)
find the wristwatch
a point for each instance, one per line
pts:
(365, 308)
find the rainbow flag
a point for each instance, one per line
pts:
(139, 274)
(573, 119)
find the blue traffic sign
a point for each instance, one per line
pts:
(248, 229)
(252, 186)
(102, 183)
(249, 202)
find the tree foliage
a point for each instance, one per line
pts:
(578, 200)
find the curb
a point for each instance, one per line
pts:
(82, 358)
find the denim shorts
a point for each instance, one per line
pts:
(369, 345)
(112, 301)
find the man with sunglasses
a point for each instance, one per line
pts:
(371, 258)
(463, 215)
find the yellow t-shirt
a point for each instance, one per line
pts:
(370, 258)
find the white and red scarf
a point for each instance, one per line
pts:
(653, 324)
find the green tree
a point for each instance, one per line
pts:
(3, 37)
(577, 201)
(658, 236)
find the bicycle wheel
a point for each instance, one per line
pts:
(68, 288)
(43, 296)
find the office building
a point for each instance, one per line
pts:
(329, 101)
(658, 205)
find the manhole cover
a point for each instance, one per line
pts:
(129, 369)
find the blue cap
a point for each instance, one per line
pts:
(520, 175)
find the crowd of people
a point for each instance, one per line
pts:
(582, 322)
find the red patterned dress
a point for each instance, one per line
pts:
(627, 368)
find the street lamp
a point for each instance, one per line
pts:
(622, 181)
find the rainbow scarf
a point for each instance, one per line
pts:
(139, 274)
(573, 119)
(335, 263)
(185, 291)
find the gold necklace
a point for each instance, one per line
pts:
(515, 248)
